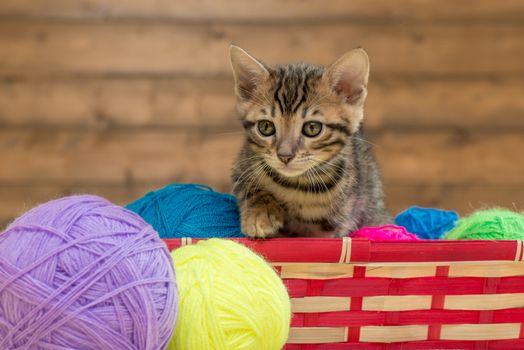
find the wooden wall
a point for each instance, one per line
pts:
(119, 97)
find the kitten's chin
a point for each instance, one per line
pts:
(290, 171)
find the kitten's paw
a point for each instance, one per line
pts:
(262, 221)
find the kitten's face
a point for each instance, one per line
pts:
(299, 116)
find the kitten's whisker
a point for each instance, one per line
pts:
(328, 175)
(253, 172)
(241, 179)
(312, 178)
(251, 169)
(263, 169)
(240, 161)
(309, 182)
(320, 105)
(371, 143)
(255, 99)
(319, 167)
(251, 157)
(313, 103)
(329, 163)
(320, 179)
(266, 98)
(336, 166)
(257, 177)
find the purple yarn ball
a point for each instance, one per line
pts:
(82, 273)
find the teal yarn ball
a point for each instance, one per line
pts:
(491, 224)
(187, 210)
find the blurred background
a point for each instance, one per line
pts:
(120, 97)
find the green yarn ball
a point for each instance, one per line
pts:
(491, 224)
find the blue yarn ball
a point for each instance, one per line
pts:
(186, 210)
(427, 223)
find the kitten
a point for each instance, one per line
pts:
(305, 168)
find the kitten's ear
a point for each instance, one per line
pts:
(247, 70)
(348, 76)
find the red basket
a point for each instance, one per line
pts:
(356, 294)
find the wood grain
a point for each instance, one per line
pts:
(127, 48)
(291, 10)
(110, 102)
(464, 198)
(451, 157)
(207, 103)
(159, 155)
(120, 156)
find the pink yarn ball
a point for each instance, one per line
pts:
(385, 233)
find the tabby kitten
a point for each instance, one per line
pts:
(305, 168)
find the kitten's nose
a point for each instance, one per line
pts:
(285, 157)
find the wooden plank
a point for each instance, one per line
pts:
(268, 10)
(451, 157)
(127, 156)
(98, 102)
(120, 156)
(415, 103)
(209, 103)
(464, 198)
(160, 48)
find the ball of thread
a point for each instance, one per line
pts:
(427, 223)
(490, 224)
(82, 273)
(187, 210)
(385, 233)
(230, 298)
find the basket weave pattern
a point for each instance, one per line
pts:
(357, 294)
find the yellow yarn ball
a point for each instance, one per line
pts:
(230, 299)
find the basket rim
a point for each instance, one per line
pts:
(361, 250)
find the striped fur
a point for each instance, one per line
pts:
(331, 184)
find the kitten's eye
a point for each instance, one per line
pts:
(266, 127)
(312, 129)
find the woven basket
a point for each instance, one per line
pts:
(357, 294)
